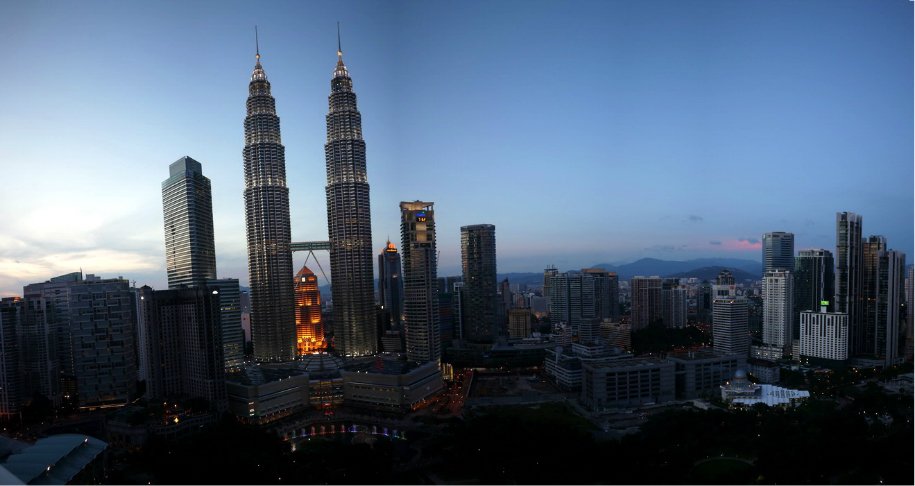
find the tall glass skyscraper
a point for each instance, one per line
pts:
(187, 204)
(267, 222)
(814, 283)
(417, 228)
(850, 276)
(349, 222)
(479, 293)
(777, 251)
(390, 287)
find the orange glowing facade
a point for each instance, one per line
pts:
(308, 326)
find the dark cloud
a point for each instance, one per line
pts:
(695, 219)
(714, 242)
(752, 241)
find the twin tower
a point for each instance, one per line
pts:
(349, 225)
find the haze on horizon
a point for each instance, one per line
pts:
(589, 132)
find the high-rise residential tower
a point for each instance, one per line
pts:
(187, 204)
(10, 377)
(184, 353)
(645, 294)
(349, 223)
(267, 223)
(417, 230)
(777, 251)
(308, 325)
(479, 293)
(849, 276)
(778, 308)
(883, 292)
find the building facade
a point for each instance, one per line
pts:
(233, 335)
(730, 314)
(349, 221)
(777, 251)
(674, 302)
(824, 335)
(627, 382)
(268, 227)
(184, 349)
(850, 276)
(479, 292)
(102, 326)
(645, 295)
(309, 327)
(519, 322)
(187, 205)
(390, 287)
(417, 230)
(778, 308)
(10, 378)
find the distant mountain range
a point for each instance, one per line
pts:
(709, 273)
(701, 268)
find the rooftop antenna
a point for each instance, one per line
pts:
(257, 45)
(339, 49)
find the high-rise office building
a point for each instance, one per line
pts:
(725, 278)
(10, 377)
(645, 295)
(187, 204)
(309, 327)
(849, 276)
(814, 280)
(730, 334)
(704, 302)
(417, 230)
(267, 224)
(102, 325)
(390, 287)
(184, 352)
(233, 336)
(349, 223)
(777, 251)
(778, 308)
(479, 293)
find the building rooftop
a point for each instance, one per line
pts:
(259, 375)
(54, 460)
(383, 366)
(624, 363)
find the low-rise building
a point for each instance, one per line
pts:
(701, 372)
(739, 392)
(260, 394)
(390, 385)
(627, 382)
(765, 371)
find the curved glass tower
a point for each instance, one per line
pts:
(349, 224)
(267, 222)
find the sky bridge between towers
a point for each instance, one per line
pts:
(311, 247)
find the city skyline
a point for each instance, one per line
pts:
(679, 104)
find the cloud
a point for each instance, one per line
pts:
(695, 219)
(714, 243)
(751, 241)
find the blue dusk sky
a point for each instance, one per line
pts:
(587, 132)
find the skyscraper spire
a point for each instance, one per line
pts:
(340, 70)
(257, 46)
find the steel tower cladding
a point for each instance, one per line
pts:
(349, 224)
(267, 221)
